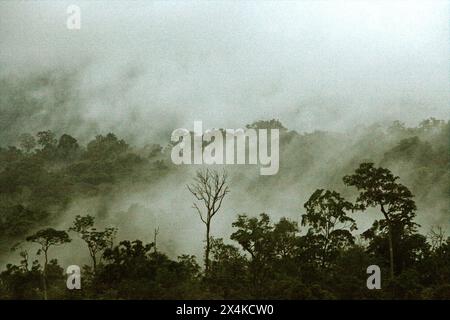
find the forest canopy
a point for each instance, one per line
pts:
(396, 177)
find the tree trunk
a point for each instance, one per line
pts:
(391, 253)
(208, 224)
(391, 247)
(45, 275)
(94, 263)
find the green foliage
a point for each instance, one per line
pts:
(133, 271)
(270, 247)
(49, 237)
(330, 227)
(106, 147)
(37, 184)
(379, 187)
(27, 142)
(262, 259)
(264, 124)
(68, 147)
(228, 276)
(46, 139)
(97, 241)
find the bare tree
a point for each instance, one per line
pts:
(436, 236)
(209, 188)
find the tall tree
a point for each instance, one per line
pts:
(256, 238)
(285, 238)
(330, 227)
(47, 238)
(209, 188)
(228, 273)
(378, 187)
(97, 241)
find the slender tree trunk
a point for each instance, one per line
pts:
(155, 236)
(94, 263)
(391, 253)
(391, 247)
(207, 249)
(45, 275)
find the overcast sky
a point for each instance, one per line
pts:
(313, 65)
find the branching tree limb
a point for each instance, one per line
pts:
(209, 188)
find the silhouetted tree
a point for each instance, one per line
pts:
(67, 146)
(97, 241)
(256, 238)
(228, 270)
(379, 188)
(47, 238)
(209, 188)
(436, 236)
(285, 238)
(330, 227)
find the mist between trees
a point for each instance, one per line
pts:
(146, 229)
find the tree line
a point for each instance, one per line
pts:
(323, 255)
(265, 260)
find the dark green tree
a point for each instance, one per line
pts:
(285, 239)
(47, 238)
(67, 146)
(106, 147)
(46, 139)
(256, 238)
(329, 225)
(97, 241)
(27, 142)
(378, 187)
(228, 273)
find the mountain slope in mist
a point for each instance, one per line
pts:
(47, 180)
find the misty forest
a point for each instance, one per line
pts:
(91, 92)
(377, 196)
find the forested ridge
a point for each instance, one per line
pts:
(401, 174)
